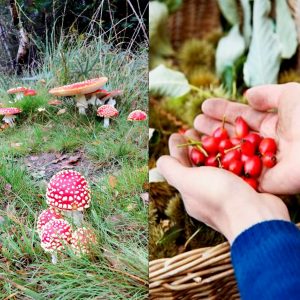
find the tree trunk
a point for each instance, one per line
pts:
(4, 41)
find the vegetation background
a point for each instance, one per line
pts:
(44, 44)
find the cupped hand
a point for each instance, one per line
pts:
(215, 196)
(273, 111)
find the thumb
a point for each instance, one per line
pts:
(171, 169)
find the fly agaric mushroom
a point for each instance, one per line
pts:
(79, 90)
(137, 115)
(69, 191)
(9, 114)
(30, 92)
(55, 235)
(55, 102)
(45, 217)
(107, 111)
(95, 97)
(111, 101)
(83, 240)
(19, 92)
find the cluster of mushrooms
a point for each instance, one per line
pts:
(68, 194)
(85, 93)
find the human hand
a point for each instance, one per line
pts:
(215, 196)
(283, 125)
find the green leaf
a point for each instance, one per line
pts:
(170, 235)
(229, 10)
(229, 49)
(247, 29)
(285, 29)
(166, 82)
(263, 61)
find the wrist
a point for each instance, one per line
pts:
(241, 215)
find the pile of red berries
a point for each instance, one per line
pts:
(245, 154)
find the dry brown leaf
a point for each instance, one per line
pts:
(112, 180)
(61, 111)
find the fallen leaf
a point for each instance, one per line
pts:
(112, 180)
(61, 111)
(145, 197)
(16, 145)
(41, 109)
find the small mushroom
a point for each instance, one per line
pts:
(83, 239)
(95, 97)
(111, 101)
(107, 111)
(30, 92)
(18, 92)
(79, 90)
(137, 115)
(55, 235)
(46, 216)
(9, 114)
(69, 191)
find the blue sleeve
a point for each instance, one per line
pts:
(266, 261)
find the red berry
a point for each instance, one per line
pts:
(229, 157)
(211, 161)
(252, 182)
(181, 130)
(247, 148)
(244, 157)
(197, 157)
(236, 167)
(235, 141)
(267, 145)
(253, 166)
(210, 144)
(269, 160)
(220, 133)
(253, 138)
(241, 127)
(224, 145)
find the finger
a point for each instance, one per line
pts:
(265, 97)
(207, 125)
(180, 153)
(172, 170)
(218, 108)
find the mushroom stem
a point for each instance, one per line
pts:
(9, 119)
(54, 257)
(111, 102)
(92, 100)
(81, 104)
(99, 102)
(19, 96)
(106, 122)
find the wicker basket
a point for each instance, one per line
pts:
(195, 19)
(204, 273)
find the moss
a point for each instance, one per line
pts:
(196, 53)
(289, 76)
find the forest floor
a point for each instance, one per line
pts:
(47, 139)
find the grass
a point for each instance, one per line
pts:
(115, 164)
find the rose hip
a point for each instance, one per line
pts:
(210, 144)
(220, 134)
(253, 166)
(252, 182)
(253, 138)
(211, 161)
(241, 127)
(236, 167)
(197, 157)
(267, 145)
(229, 157)
(269, 160)
(247, 148)
(224, 145)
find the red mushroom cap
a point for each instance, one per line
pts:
(79, 88)
(6, 111)
(54, 102)
(30, 93)
(137, 115)
(46, 216)
(82, 240)
(107, 111)
(100, 92)
(111, 94)
(55, 234)
(68, 190)
(16, 90)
